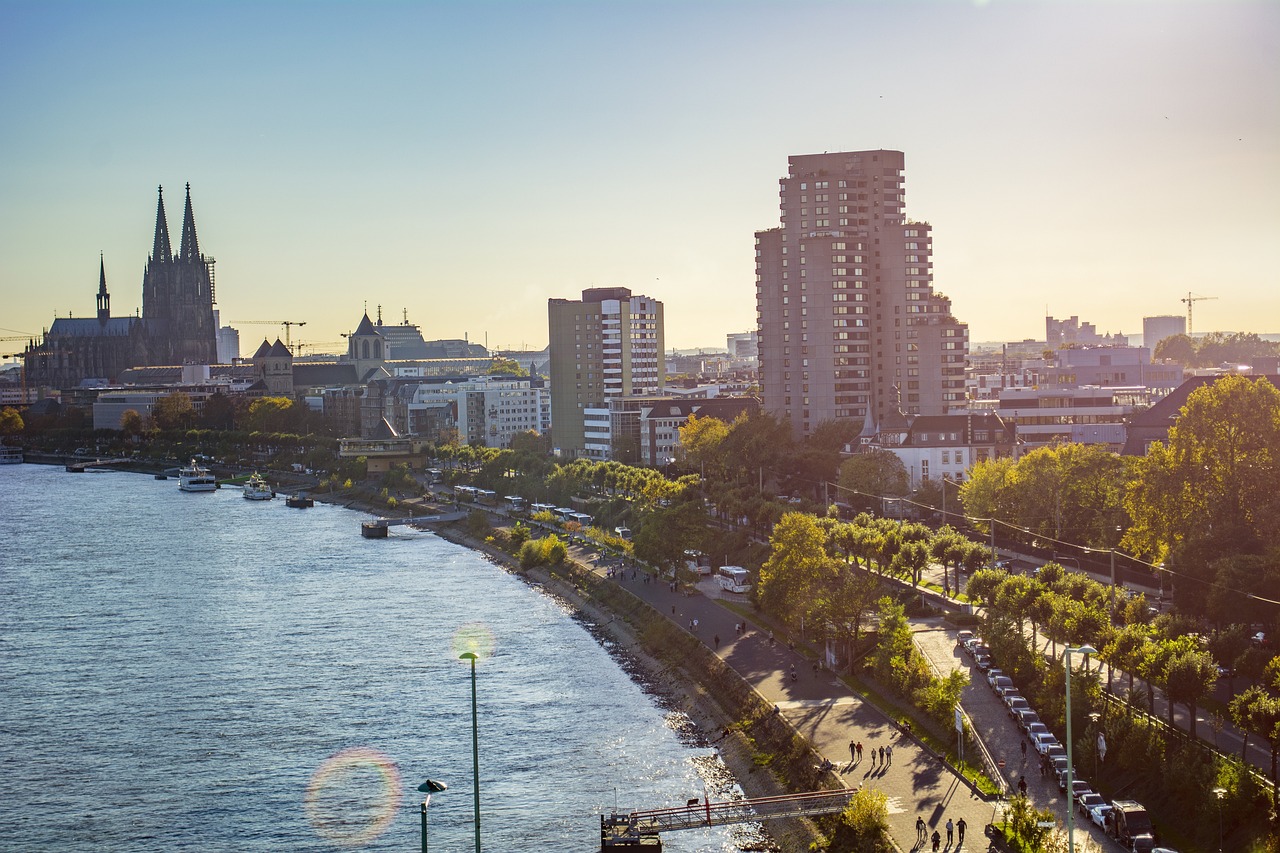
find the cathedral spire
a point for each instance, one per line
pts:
(104, 298)
(160, 251)
(190, 249)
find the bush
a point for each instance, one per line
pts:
(549, 551)
(478, 523)
(864, 825)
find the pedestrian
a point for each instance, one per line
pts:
(695, 625)
(882, 756)
(873, 756)
(921, 829)
(888, 751)
(1024, 750)
(960, 825)
(951, 828)
(853, 752)
(937, 840)
(793, 672)
(717, 641)
(1022, 785)
(673, 610)
(859, 750)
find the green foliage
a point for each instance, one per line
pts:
(548, 551)
(797, 568)
(520, 533)
(11, 422)
(478, 523)
(507, 367)
(863, 826)
(875, 472)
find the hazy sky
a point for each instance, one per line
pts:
(466, 161)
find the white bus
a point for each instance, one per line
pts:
(515, 503)
(733, 579)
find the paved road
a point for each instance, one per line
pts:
(999, 732)
(828, 713)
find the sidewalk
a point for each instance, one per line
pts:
(828, 713)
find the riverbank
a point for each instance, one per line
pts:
(759, 748)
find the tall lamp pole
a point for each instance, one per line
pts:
(1094, 716)
(1222, 793)
(429, 787)
(475, 744)
(1066, 657)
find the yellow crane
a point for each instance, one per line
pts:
(1190, 300)
(286, 323)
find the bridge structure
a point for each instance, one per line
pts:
(641, 828)
(377, 528)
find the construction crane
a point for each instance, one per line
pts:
(286, 323)
(1190, 300)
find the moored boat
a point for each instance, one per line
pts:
(10, 455)
(257, 489)
(194, 478)
(299, 501)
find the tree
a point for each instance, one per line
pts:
(506, 367)
(798, 567)
(271, 414)
(879, 473)
(700, 441)
(1210, 491)
(1242, 708)
(1179, 348)
(10, 421)
(667, 533)
(219, 412)
(1189, 677)
(131, 423)
(173, 411)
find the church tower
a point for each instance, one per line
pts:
(366, 347)
(178, 296)
(104, 298)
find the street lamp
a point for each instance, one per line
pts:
(475, 744)
(1222, 793)
(1094, 716)
(1066, 658)
(429, 787)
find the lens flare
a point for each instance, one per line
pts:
(473, 637)
(353, 796)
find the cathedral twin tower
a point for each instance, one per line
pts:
(176, 327)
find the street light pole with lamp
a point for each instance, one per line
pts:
(1221, 794)
(1067, 652)
(475, 744)
(429, 787)
(1094, 716)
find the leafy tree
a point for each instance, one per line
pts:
(701, 440)
(10, 421)
(1179, 348)
(1242, 707)
(1211, 490)
(271, 414)
(131, 424)
(798, 567)
(1189, 677)
(506, 367)
(219, 412)
(667, 533)
(173, 411)
(875, 472)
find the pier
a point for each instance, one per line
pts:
(81, 467)
(641, 828)
(377, 529)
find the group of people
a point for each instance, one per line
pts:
(922, 832)
(885, 753)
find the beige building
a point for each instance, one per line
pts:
(849, 323)
(606, 346)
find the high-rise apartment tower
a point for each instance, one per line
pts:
(604, 347)
(850, 326)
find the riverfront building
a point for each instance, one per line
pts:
(849, 322)
(604, 347)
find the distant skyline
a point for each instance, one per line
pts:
(464, 162)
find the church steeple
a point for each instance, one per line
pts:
(104, 298)
(160, 251)
(190, 249)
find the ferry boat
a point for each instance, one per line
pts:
(193, 478)
(257, 489)
(10, 455)
(299, 501)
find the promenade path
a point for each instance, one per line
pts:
(827, 712)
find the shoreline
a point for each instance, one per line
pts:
(718, 722)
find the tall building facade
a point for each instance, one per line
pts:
(1156, 329)
(849, 324)
(606, 346)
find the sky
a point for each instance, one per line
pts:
(459, 163)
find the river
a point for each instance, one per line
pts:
(198, 671)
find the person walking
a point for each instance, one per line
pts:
(853, 752)
(873, 756)
(960, 825)
(937, 840)
(951, 828)
(717, 638)
(921, 829)
(1022, 785)
(859, 750)
(793, 672)
(882, 756)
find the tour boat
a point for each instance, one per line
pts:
(257, 489)
(10, 455)
(193, 478)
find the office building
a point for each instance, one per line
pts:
(850, 326)
(606, 346)
(1156, 329)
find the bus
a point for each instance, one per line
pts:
(435, 475)
(515, 503)
(733, 579)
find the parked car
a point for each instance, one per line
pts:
(1100, 814)
(1037, 728)
(1025, 717)
(1001, 684)
(1043, 742)
(983, 662)
(1016, 703)
(963, 638)
(1088, 802)
(1131, 826)
(993, 674)
(1055, 750)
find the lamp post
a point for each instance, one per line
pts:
(1222, 793)
(475, 744)
(1094, 716)
(429, 787)
(1067, 652)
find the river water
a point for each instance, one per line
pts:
(197, 671)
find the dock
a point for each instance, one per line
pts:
(378, 527)
(81, 467)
